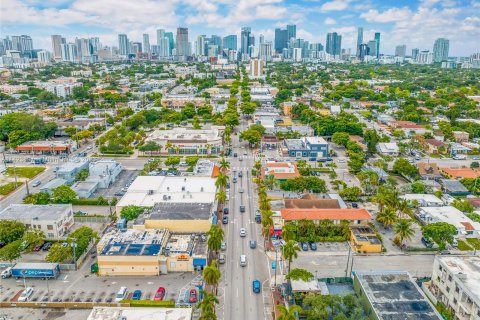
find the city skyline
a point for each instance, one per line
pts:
(415, 24)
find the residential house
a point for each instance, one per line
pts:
(423, 200)
(280, 170)
(464, 225)
(306, 147)
(429, 171)
(360, 142)
(460, 136)
(435, 146)
(388, 148)
(461, 173)
(453, 187)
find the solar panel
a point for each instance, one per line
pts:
(134, 249)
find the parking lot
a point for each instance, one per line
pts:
(123, 181)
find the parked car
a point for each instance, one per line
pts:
(160, 294)
(256, 286)
(427, 242)
(313, 246)
(137, 294)
(47, 246)
(240, 174)
(354, 205)
(36, 183)
(26, 294)
(223, 246)
(193, 296)
(225, 210)
(225, 220)
(38, 248)
(221, 258)
(304, 246)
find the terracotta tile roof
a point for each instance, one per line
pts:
(468, 226)
(434, 142)
(427, 168)
(215, 171)
(475, 202)
(325, 214)
(462, 173)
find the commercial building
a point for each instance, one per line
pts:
(390, 295)
(256, 68)
(45, 147)
(334, 44)
(188, 141)
(465, 226)
(354, 216)
(363, 239)
(69, 170)
(116, 313)
(54, 220)
(281, 171)
(456, 283)
(306, 147)
(150, 252)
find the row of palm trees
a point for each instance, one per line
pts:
(222, 182)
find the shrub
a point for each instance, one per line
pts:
(151, 303)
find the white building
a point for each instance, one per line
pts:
(388, 148)
(465, 226)
(256, 68)
(424, 200)
(55, 220)
(456, 283)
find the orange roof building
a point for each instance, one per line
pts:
(355, 216)
(281, 170)
(461, 173)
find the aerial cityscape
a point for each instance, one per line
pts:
(274, 160)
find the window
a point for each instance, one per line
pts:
(50, 235)
(449, 278)
(440, 268)
(448, 289)
(454, 301)
(28, 226)
(49, 227)
(457, 290)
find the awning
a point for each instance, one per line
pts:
(199, 262)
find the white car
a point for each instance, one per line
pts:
(243, 232)
(26, 294)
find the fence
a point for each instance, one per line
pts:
(61, 305)
(96, 219)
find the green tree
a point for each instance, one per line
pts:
(207, 305)
(475, 165)
(463, 205)
(341, 138)
(440, 232)
(12, 251)
(403, 230)
(299, 274)
(150, 146)
(288, 313)
(252, 136)
(403, 167)
(59, 253)
(63, 194)
(131, 212)
(290, 251)
(387, 216)
(10, 231)
(222, 180)
(172, 162)
(356, 161)
(371, 138)
(224, 165)
(351, 193)
(212, 275)
(82, 175)
(248, 108)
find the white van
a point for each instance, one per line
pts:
(243, 260)
(26, 294)
(121, 294)
(6, 273)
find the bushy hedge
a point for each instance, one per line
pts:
(150, 303)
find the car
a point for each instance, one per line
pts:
(418, 158)
(234, 179)
(313, 246)
(304, 246)
(221, 258)
(121, 294)
(137, 294)
(256, 286)
(36, 183)
(223, 246)
(240, 174)
(476, 158)
(47, 246)
(225, 210)
(8, 161)
(240, 190)
(245, 153)
(427, 242)
(240, 159)
(38, 248)
(253, 244)
(243, 260)
(119, 194)
(411, 160)
(65, 244)
(354, 205)
(242, 208)
(243, 232)
(26, 294)
(341, 160)
(160, 294)
(193, 296)
(235, 155)
(225, 220)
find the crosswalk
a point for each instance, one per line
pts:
(240, 168)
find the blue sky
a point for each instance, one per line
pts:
(414, 23)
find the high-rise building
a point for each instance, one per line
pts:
(291, 31)
(266, 51)
(245, 40)
(44, 56)
(256, 68)
(57, 41)
(334, 44)
(372, 48)
(359, 40)
(23, 44)
(424, 57)
(297, 54)
(217, 41)
(69, 52)
(377, 39)
(230, 42)
(83, 49)
(415, 52)
(171, 42)
(440, 50)
(135, 47)
(123, 46)
(163, 44)
(363, 51)
(401, 51)
(182, 43)
(201, 46)
(281, 39)
(146, 43)
(7, 44)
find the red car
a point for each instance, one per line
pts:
(160, 294)
(193, 296)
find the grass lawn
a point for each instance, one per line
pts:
(9, 187)
(463, 246)
(474, 242)
(25, 172)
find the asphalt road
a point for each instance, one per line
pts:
(237, 300)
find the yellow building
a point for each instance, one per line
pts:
(364, 240)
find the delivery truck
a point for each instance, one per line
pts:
(32, 270)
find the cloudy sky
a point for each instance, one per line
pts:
(414, 23)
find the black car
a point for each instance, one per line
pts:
(225, 220)
(313, 246)
(240, 174)
(235, 155)
(47, 246)
(427, 242)
(304, 246)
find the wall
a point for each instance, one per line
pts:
(180, 226)
(128, 265)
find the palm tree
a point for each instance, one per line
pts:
(290, 251)
(270, 181)
(221, 196)
(207, 305)
(387, 216)
(224, 165)
(404, 207)
(215, 238)
(267, 218)
(168, 145)
(264, 203)
(289, 231)
(222, 180)
(287, 313)
(403, 230)
(257, 166)
(208, 315)
(212, 275)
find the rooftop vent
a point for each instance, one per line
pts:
(150, 192)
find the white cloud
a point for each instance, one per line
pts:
(335, 5)
(330, 21)
(390, 15)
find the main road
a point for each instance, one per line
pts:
(237, 300)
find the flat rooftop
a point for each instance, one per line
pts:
(182, 134)
(28, 212)
(146, 191)
(394, 296)
(133, 242)
(467, 270)
(72, 165)
(116, 313)
(180, 211)
(190, 244)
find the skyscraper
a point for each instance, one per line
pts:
(415, 52)
(401, 51)
(200, 48)
(377, 38)
(245, 39)
(440, 50)
(146, 43)
(69, 52)
(123, 45)
(372, 48)
(291, 31)
(171, 43)
(57, 41)
(217, 41)
(266, 51)
(334, 44)
(281, 39)
(359, 40)
(182, 42)
(163, 44)
(230, 42)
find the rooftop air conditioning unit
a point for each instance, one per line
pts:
(150, 192)
(183, 188)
